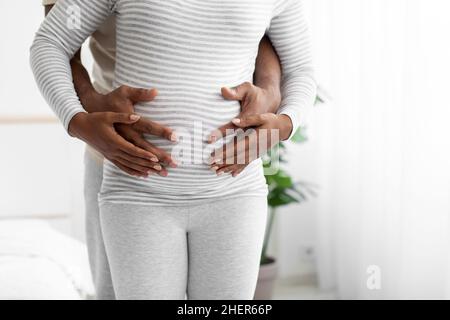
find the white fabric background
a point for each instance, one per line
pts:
(384, 163)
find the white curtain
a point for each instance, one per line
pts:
(384, 204)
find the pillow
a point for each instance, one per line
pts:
(37, 262)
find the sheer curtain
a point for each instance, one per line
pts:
(383, 218)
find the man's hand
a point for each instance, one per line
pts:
(122, 100)
(263, 97)
(255, 143)
(254, 100)
(97, 129)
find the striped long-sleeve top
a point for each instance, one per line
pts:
(188, 50)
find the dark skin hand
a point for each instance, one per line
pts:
(118, 134)
(257, 141)
(259, 102)
(264, 95)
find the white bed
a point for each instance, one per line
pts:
(41, 212)
(38, 262)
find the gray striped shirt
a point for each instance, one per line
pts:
(188, 50)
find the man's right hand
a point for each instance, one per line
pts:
(112, 129)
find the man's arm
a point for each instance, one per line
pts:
(268, 74)
(142, 158)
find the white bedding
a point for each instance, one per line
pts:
(37, 262)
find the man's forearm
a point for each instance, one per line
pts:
(268, 72)
(83, 85)
(81, 80)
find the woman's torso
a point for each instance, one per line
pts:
(188, 50)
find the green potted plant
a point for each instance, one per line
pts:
(282, 192)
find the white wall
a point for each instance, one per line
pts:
(18, 22)
(40, 166)
(380, 151)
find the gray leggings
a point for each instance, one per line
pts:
(207, 251)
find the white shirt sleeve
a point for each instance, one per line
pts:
(289, 34)
(60, 36)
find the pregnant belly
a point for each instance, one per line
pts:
(192, 120)
(189, 112)
(192, 117)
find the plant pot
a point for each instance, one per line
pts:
(266, 280)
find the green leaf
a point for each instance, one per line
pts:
(319, 100)
(278, 197)
(283, 181)
(299, 136)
